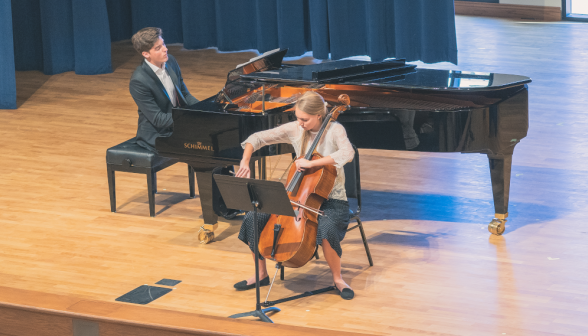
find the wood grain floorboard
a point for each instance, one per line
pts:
(437, 269)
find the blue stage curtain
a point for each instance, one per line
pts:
(64, 35)
(236, 24)
(91, 34)
(55, 36)
(347, 28)
(199, 24)
(415, 30)
(319, 29)
(293, 26)
(57, 33)
(266, 25)
(166, 15)
(7, 75)
(28, 43)
(426, 35)
(119, 19)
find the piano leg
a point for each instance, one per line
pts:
(500, 167)
(191, 181)
(261, 168)
(204, 180)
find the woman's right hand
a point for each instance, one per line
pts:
(244, 170)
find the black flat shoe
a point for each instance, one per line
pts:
(347, 293)
(230, 213)
(242, 285)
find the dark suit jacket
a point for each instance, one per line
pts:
(155, 118)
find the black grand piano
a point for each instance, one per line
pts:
(394, 106)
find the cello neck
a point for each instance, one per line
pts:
(333, 115)
(298, 175)
(319, 135)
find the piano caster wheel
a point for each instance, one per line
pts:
(496, 226)
(205, 236)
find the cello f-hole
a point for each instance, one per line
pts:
(277, 228)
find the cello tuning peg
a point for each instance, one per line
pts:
(344, 99)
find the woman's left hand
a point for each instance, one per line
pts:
(302, 164)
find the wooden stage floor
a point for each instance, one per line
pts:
(437, 269)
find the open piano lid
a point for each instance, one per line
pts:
(234, 88)
(334, 72)
(387, 74)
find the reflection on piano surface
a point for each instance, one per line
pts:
(394, 106)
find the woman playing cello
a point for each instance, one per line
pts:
(337, 151)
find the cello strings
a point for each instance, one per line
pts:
(318, 212)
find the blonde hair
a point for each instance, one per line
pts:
(310, 103)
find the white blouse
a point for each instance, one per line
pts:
(334, 144)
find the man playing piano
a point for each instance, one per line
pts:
(156, 86)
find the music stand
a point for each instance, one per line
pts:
(259, 195)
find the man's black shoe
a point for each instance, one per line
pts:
(231, 213)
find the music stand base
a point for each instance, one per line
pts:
(305, 294)
(258, 313)
(269, 196)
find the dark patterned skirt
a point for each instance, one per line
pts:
(332, 226)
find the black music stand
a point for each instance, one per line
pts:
(258, 195)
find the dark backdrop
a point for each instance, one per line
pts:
(490, 1)
(55, 36)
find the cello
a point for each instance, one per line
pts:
(291, 241)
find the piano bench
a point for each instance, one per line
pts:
(132, 158)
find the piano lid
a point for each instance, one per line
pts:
(267, 61)
(388, 74)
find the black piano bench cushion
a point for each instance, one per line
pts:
(129, 153)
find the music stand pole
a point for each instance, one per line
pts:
(266, 196)
(258, 312)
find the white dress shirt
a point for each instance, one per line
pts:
(165, 80)
(334, 144)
